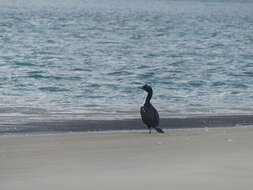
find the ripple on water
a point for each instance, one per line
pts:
(56, 56)
(53, 89)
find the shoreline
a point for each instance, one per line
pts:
(78, 125)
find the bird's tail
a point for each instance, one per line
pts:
(159, 130)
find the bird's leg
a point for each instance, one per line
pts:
(149, 130)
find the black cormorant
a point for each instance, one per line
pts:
(149, 114)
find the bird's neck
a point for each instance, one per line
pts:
(148, 98)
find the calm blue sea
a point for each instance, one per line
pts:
(62, 59)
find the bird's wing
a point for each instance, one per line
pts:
(149, 116)
(156, 119)
(146, 116)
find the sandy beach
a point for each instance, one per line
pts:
(207, 158)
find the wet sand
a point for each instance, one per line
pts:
(205, 158)
(83, 125)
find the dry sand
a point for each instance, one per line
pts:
(214, 158)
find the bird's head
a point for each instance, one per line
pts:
(146, 88)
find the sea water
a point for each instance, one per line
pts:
(86, 58)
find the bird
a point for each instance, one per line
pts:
(149, 114)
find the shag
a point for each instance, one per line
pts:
(149, 114)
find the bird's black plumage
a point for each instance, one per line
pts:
(149, 114)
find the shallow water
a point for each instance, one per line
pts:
(74, 58)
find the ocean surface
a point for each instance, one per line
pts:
(84, 59)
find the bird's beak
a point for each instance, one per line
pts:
(140, 87)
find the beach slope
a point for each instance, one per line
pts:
(207, 158)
